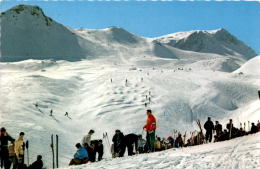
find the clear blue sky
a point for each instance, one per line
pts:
(151, 19)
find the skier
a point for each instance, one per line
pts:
(158, 144)
(86, 139)
(179, 141)
(19, 147)
(119, 147)
(141, 144)
(66, 114)
(80, 157)
(150, 128)
(129, 140)
(218, 128)
(170, 141)
(4, 154)
(145, 104)
(51, 112)
(111, 80)
(38, 164)
(254, 128)
(100, 150)
(12, 156)
(230, 127)
(209, 127)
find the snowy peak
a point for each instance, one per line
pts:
(218, 41)
(25, 12)
(112, 35)
(33, 35)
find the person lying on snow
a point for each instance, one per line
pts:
(80, 157)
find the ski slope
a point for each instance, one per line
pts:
(84, 89)
(239, 153)
(75, 77)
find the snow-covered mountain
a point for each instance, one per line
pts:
(27, 33)
(217, 41)
(184, 85)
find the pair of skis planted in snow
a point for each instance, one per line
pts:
(57, 151)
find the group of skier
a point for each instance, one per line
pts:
(230, 132)
(12, 155)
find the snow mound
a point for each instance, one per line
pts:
(251, 67)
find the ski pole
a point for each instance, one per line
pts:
(27, 148)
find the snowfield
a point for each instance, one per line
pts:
(184, 81)
(239, 153)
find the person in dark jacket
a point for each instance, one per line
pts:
(100, 150)
(38, 164)
(4, 153)
(118, 140)
(209, 127)
(129, 140)
(218, 128)
(254, 128)
(230, 128)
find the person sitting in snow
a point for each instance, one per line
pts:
(38, 164)
(80, 157)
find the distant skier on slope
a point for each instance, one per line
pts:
(209, 127)
(150, 128)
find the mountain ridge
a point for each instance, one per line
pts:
(37, 36)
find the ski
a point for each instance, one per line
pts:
(52, 149)
(57, 151)
(27, 149)
(201, 132)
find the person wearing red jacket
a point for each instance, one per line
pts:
(150, 128)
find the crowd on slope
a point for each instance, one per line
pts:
(13, 154)
(135, 144)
